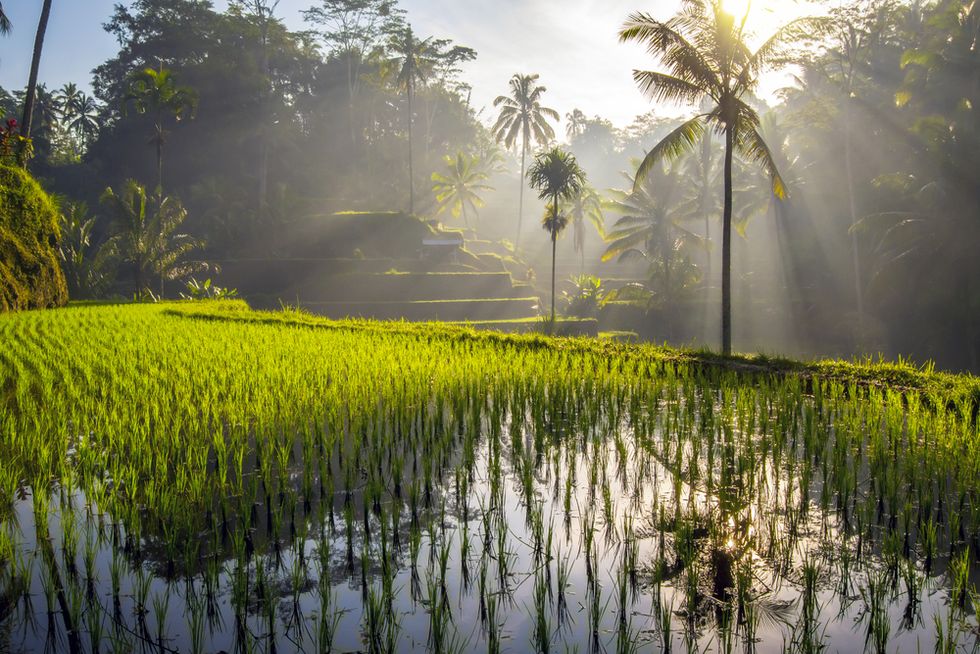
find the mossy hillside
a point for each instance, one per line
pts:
(30, 274)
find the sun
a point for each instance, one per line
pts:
(762, 17)
(739, 8)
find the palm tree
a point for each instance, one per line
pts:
(42, 27)
(85, 122)
(146, 234)
(5, 24)
(457, 190)
(415, 60)
(704, 52)
(651, 229)
(521, 115)
(157, 93)
(557, 176)
(67, 97)
(576, 124)
(85, 265)
(586, 205)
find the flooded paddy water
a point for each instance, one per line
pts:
(178, 484)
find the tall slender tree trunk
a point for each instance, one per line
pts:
(263, 189)
(706, 198)
(159, 140)
(726, 247)
(554, 253)
(520, 205)
(852, 204)
(31, 95)
(411, 170)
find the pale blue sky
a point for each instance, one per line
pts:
(572, 44)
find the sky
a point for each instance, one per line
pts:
(571, 44)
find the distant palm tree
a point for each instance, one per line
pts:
(584, 206)
(85, 121)
(557, 176)
(458, 189)
(576, 123)
(416, 59)
(42, 27)
(651, 229)
(5, 24)
(703, 49)
(67, 97)
(522, 116)
(146, 234)
(157, 93)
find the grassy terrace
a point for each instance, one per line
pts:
(949, 388)
(351, 485)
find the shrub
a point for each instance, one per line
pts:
(30, 273)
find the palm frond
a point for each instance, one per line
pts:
(683, 139)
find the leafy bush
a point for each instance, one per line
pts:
(586, 298)
(206, 291)
(30, 274)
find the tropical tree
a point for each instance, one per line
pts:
(576, 123)
(352, 29)
(146, 234)
(584, 207)
(85, 264)
(156, 92)
(651, 229)
(416, 59)
(458, 188)
(85, 117)
(703, 49)
(557, 177)
(42, 27)
(522, 117)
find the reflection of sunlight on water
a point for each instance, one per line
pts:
(653, 489)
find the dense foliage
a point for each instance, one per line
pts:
(30, 272)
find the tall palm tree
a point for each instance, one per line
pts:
(146, 234)
(42, 27)
(522, 116)
(703, 49)
(557, 176)
(416, 59)
(584, 206)
(157, 93)
(458, 189)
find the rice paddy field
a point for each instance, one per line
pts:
(204, 478)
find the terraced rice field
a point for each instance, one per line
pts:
(199, 478)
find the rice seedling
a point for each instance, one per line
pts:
(246, 446)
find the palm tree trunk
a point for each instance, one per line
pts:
(855, 253)
(411, 171)
(267, 119)
(160, 155)
(139, 276)
(42, 27)
(520, 206)
(726, 247)
(554, 252)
